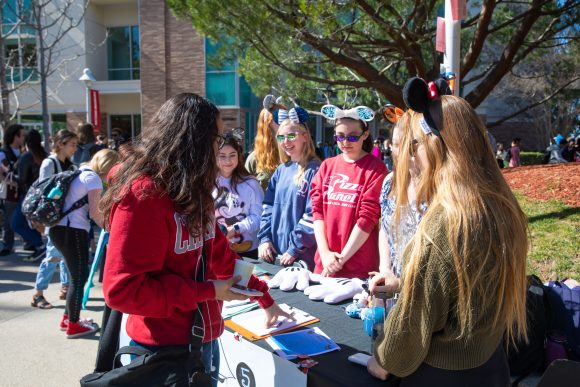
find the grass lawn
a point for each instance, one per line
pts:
(555, 238)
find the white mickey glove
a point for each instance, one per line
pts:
(292, 276)
(335, 290)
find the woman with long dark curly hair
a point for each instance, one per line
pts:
(163, 234)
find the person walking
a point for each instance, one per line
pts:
(14, 138)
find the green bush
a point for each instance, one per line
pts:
(531, 158)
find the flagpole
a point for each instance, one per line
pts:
(452, 44)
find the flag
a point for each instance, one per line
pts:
(440, 37)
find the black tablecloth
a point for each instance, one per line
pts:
(333, 368)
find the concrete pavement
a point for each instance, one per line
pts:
(33, 350)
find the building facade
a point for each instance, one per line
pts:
(140, 55)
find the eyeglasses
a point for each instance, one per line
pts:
(221, 140)
(350, 138)
(290, 137)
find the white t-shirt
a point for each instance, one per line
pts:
(85, 182)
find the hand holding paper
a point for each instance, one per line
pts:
(273, 313)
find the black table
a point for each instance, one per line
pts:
(333, 368)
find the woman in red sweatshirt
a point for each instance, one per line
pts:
(161, 218)
(345, 199)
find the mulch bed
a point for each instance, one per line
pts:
(545, 182)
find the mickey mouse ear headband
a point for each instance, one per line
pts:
(361, 113)
(419, 95)
(392, 113)
(297, 115)
(270, 102)
(234, 135)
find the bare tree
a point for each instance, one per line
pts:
(47, 23)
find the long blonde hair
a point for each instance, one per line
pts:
(103, 161)
(486, 228)
(265, 147)
(308, 151)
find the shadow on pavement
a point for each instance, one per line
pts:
(13, 287)
(18, 276)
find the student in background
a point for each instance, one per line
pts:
(264, 159)
(71, 236)
(64, 146)
(515, 153)
(28, 172)
(14, 137)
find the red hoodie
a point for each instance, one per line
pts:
(344, 195)
(151, 265)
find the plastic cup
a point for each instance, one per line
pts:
(243, 269)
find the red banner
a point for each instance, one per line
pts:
(95, 111)
(459, 9)
(440, 37)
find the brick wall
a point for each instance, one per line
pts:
(172, 57)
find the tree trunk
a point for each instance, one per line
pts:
(43, 93)
(5, 98)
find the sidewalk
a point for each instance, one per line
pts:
(33, 350)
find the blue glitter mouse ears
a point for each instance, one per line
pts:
(362, 113)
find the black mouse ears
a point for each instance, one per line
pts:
(418, 95)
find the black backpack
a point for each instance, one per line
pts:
(40, 208)
(529, 357)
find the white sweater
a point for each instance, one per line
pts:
(243, 207)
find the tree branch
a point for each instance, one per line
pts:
(546, 99)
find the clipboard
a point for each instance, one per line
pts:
(251, 336)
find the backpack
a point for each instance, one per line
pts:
(565, 316)
(528, 357)
(45, 200)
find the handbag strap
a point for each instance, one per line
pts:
(198, 330)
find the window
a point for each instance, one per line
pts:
(220, 80)
(128, 123)
(34, 121)
(20, 41)
(123, 53)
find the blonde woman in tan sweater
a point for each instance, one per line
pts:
(463, 283)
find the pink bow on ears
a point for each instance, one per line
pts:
(433, 93)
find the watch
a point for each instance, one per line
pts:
(237, 228)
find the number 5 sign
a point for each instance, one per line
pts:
(243, 364)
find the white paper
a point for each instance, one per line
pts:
(254, 321)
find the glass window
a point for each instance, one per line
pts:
(123, 53)
(221, 88)
(130, 124)
(220, 81)
(20, 41)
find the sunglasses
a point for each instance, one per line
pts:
(351, 138)
(289, 137)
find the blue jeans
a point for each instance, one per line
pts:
(210, 356)
(47, 268)
(20, 225)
